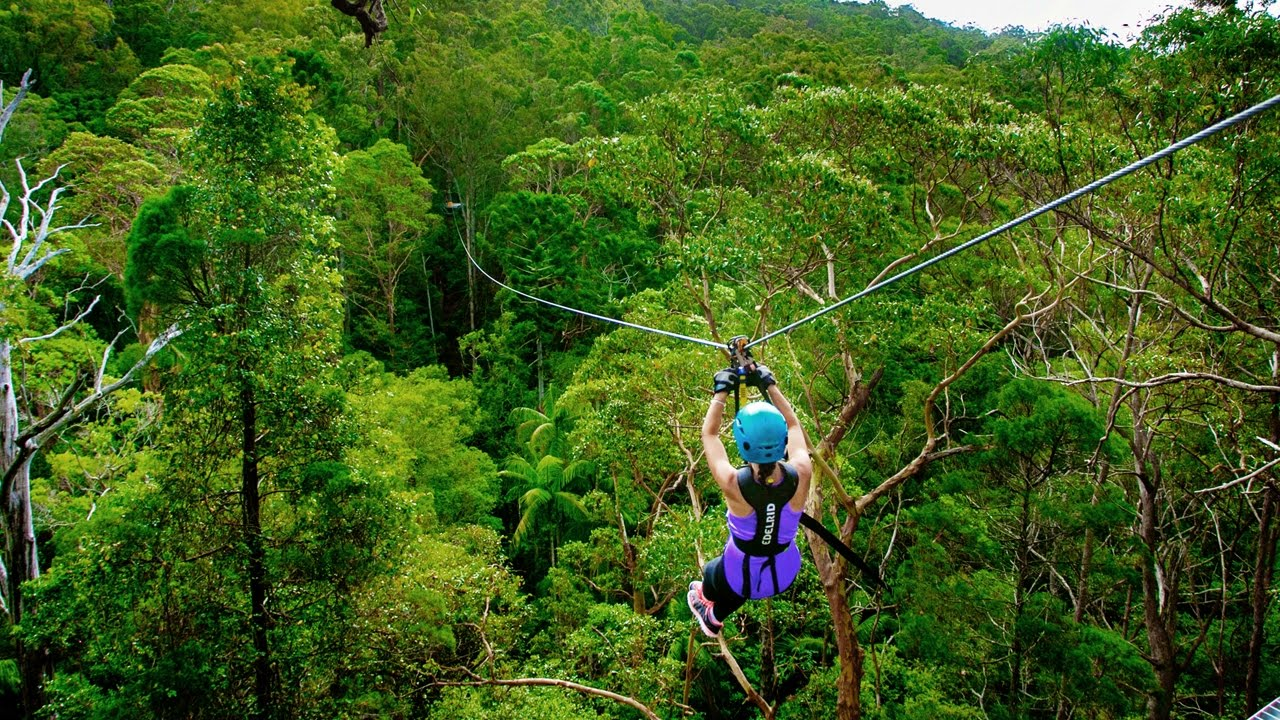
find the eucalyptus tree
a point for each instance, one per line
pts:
(39, 403)
(110, 179)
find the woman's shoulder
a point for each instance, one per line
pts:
(801, 469)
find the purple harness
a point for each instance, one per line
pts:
(760, 546)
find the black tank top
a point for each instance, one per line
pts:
(767, 501)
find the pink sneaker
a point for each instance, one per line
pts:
(703, 610)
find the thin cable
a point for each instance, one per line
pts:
(624, 323)
(1074, 195)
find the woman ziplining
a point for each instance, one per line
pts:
(765, 498)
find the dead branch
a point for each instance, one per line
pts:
(67, 326)
(1179, 377)
(45, 430)
(554, 682)
(1240, 480)
(13, 104)
(369, 13)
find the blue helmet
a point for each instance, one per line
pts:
(761, 433)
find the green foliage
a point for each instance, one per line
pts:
(72, 52)
(510, 704)
(160, 108)
(420, 424)
(259, 303)
(10, 682)
(258, 150)
(241, 19)
(614, 641)
(544, 487)
(708, 168)
(163, 252)
(384, 223)
(912, 691)
(544, 248)
(449, 599)
(103, 598)
(1044, 426)
(151, 27)
(544, 431)
(108, 455)
(33, 132)
(110, 181)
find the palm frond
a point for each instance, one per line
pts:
(530, 503)
(579, 470)
(550, 464)
(542, 438)
(572, 503)
(519, 467)
(534, 498)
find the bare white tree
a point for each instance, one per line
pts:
(30, 231)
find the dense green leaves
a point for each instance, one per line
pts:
(385, 220)
(368, 482)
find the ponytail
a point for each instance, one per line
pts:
(765, 474)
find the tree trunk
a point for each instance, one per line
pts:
(22, 565)
(849, 683)
(1262, 580)
(850, 653)
(1264, 567)
(469, 241)
(1021, 589)
(21, 562)
(1155, 590)
(251, 506)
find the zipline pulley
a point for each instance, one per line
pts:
(740, 354)
(740, 360)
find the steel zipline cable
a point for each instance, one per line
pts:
(1069, 197)
(624, 323)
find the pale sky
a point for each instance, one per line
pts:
(992, 15)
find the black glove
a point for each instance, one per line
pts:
(761, 378)
(724, 381)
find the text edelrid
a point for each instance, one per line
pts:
(770, 520)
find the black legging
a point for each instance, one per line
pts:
(715, 587)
